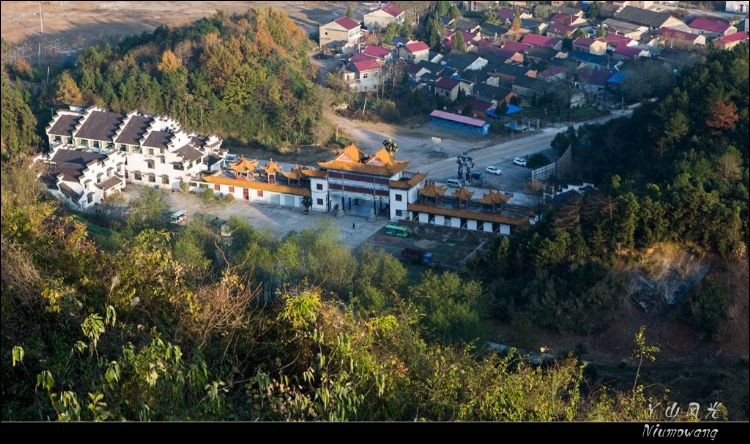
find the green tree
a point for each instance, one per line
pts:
(457, 42)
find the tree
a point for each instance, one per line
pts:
(457, 42)
(722, 115)
(169, 62)
(148, 210)
(641, 351)
(18, 133)
(67, 91)
(515, 25)
(307, 202)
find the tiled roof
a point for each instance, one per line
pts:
(366, 65)
(627, 51)
(392, 10)
(408, 183)
(516, 46)
(676, 34)
(457, 118)
(64, 125)
(134, 129)
(506, 14)
(347, 23)
(99, 125)
(352, 159)
(376, 51)
(430, 189)
(110, 182)
(417, 46)
(189, 153)
(583, 41)
(446, 83)
(466, 214)
(565, 19)
(158, 139)
(232, 181)
(360, 57)
(642, 16)
(559, 28)
(539, 40)
(709, 25)
(731, 38)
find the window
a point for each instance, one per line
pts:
(260, 193)
(364, 76)
(90, 197)
(150, 152)
(58, 139)
(96, 144)
(165, 180)
(152, 178)
(320, 202)
(162, 160)
(178, 166)
(110, 145)
(70, 140)
(399, 213)
(137, 150)
(124, 148)
(231, 189)
(137, 175)
(217, 187)
(84, 142)
(150, 164)
(127, 176)
(399, 197)
(319, 186)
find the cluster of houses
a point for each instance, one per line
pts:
(501, 65)
(94, 153)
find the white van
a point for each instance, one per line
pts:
(178, 217)
(454, 183)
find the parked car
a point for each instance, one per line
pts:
(494, 170)
(476, 176)
(520, 161)
(454, 183)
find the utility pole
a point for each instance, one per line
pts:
(41, 24)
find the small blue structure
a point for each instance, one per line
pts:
(617, 78)
(457, 121)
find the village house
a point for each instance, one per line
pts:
(626, 29)
(540, 40)
(364, 76)
(624, 52)
(731, 40)
(711, 28)
(560, 31)
(343, 34)
(448, 88)
(739, 7)
(415, 52)
(384, 16)
(569, 19)
(672, 38)
(592, 46)
(378, 53)
(159, 152)
(644, 17)
(493, 94)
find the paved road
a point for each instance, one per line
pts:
(503, 152)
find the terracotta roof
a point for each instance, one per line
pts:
(516, 46)
(366, 65)
(677, 34)
(392, 9)
(408, 183)
(352, 159)
(360, 57)
(737, 36)
(559, 28)
(272, 167)
(565, 19)
(615, 40)
(583, 41)
(539, 40)
(506, 13)
(467, 214)
(314, 173)
(243, 165)
(431, 190)
(376, 51)
(628, 51)
(417, 46)
(463, 193)
(709, 25)
(347, 23)
(494, 198)
(287, 189)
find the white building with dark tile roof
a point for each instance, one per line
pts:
(157, 151)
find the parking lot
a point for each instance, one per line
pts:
(272, 218)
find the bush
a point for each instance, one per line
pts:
(229, 198)
(707, 307)
(537, 160)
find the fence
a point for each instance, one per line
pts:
(543, 173)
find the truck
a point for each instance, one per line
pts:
(422, 257)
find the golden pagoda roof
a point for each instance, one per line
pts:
(432, 190)
(353, 159)
(252, 184)
(243, 165)
(272, 167)
(494, 198)
(294, 174)
(467, 214)
(463, 193)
